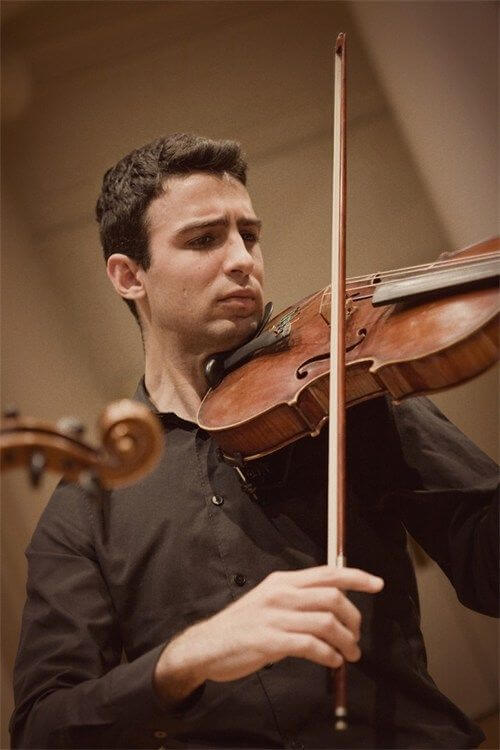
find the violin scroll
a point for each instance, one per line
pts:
(132, 442)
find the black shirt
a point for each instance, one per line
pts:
(111, 581)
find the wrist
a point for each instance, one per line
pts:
(177, 673)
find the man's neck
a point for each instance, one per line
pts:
(175, 379)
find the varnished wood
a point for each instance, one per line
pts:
(400, 350)
(132, 442)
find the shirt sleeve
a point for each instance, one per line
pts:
(449, 501)
(72, 689)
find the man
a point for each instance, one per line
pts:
(187, 611)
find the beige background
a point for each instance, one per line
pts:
(84, 83)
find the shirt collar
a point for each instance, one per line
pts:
(167, 418)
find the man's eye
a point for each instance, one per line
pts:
(250, 237)
(205, 240)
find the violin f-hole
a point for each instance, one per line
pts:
(300, 373)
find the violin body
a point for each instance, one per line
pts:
(419, 345)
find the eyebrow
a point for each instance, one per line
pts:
(218, 222)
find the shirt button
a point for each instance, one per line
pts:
(160, 734)
(217, 499)
(240, 579)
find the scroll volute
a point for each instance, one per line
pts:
(132, 443)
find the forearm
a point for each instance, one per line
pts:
(95, 713)
(475, 559)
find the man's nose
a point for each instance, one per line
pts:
(238, 259)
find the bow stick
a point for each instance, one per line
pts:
(337, 420)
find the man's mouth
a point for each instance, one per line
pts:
(239, 294)
(244, 300)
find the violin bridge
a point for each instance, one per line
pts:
(325, 307)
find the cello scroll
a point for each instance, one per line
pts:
(132, 442)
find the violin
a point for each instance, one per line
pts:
(407, 332)
(132, 443)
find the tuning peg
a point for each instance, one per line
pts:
(89, 481)
(71, 426)
(36, 467)
(11, 412)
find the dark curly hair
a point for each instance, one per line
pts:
(129, 187)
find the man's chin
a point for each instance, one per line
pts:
(231, 334)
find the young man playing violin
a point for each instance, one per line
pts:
(193, 611)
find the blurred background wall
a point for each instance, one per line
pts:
(85, 82)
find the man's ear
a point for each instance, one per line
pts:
(124, 274)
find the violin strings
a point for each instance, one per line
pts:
(415, 272)
(353, 288)
(446, 263)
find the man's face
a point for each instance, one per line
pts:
(204, 284)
